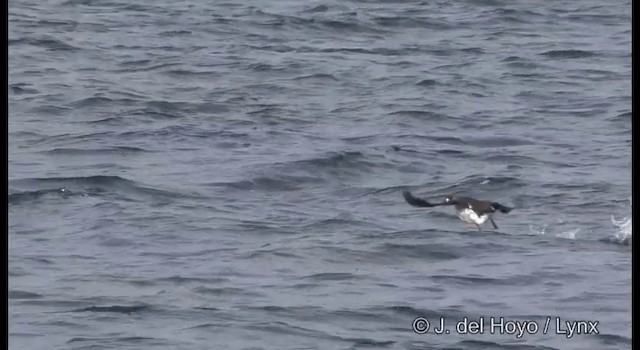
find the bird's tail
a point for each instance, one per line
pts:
(501, 208)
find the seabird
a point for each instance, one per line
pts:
(469, 210)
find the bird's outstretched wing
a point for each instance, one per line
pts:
(494, 207)
(501, 208)
(417, 202)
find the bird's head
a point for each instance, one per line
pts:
(450, 199)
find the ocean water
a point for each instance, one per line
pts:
(229, 174)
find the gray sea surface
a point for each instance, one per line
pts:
(229, 174)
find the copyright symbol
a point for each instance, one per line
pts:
(420, 325)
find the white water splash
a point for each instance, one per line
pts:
(571, 234)
(542, 230)
(624, 228)
(537, 229)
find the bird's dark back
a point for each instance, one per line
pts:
(477, 205)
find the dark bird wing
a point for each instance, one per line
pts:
(417, 202)
(500, 207)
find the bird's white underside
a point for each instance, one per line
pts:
(470, 216)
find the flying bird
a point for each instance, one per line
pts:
(469, 210)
